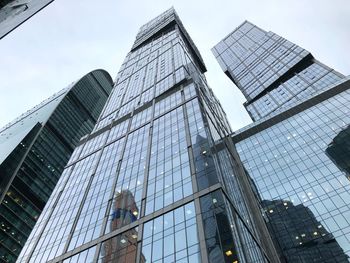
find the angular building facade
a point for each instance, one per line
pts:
(295, 153)
(15, 12)
(273, 73)
(338, 150)
(34, 150)
(156, 180)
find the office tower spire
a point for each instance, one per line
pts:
(155, 181)
(272, 73)
(35, 147)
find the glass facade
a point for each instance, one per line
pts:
(272, 73)
(15, 12)
(34, 150)
(172, 237)
(296, 153)
(143, 185)
(300, 170)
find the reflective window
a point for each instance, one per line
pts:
(86, 256)
(169, 178)
(224, 230)
(121, 248)
(57, 230)
(257, 60)
(172, 237)
(126, 203)
(94, 208)
(301, 172)
(137, 161)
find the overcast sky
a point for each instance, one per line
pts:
(69, 38)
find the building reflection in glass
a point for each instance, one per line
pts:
(291, 160)
(205, 166)
(218, 229)
(339, 151)
(172, 237)
(122, 248)
(301, 237)
(125, 210)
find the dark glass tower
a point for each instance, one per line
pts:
(273, 73)
(296, 152)
(156, 180)
(339, 151)
(34, 150)
(15, 12)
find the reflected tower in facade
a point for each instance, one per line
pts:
(300, 236)
(122, 248)
(339, 151)
(35, 147)
(156, 180)
(292, 152)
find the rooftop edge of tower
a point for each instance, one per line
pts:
(162, 22)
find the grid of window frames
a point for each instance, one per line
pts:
(304, 190)
(218, 218)
(172, 237)
(239, 213)
(313, 79)
(145, 154)
(94, 208)
(263, 65)
(120, 248)
(56, 231)
(59, 123)
(169, 178)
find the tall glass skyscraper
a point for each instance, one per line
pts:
(15, 12)
(157, 179)
(273, 73)
(296, 152)
(34, 150)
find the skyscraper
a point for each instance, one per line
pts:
(339, 149)
(291, 152)
(273, 73)
(156, 180)
(34, 150)
(15, 12)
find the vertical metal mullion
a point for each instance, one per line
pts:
(189, 144)
(252, 205)
(199, 218)
(200, 229)
(139, 243)
(110, 199)
(82, 203)
(49, 216)
(145, 182)
(148, 158)
(235, 218)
